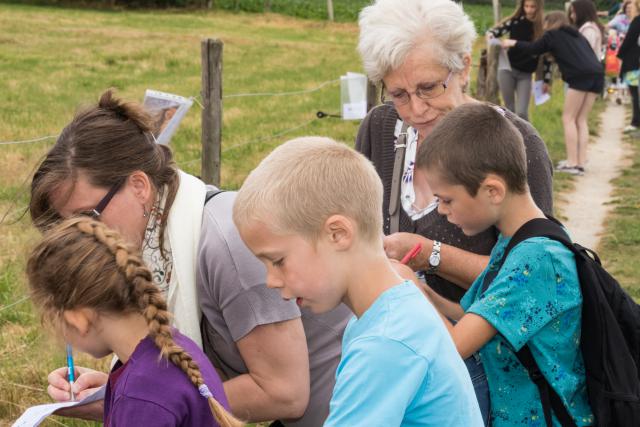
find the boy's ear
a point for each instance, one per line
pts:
(495, 188)
(80, 319)
(340, 231)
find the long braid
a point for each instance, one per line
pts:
(154, 309)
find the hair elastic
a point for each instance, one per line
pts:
(204, 391)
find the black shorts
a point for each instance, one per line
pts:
(593, 83)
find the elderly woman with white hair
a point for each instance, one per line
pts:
(421, 52)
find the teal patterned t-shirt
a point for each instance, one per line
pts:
(535, 299)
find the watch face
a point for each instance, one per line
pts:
(434, 260)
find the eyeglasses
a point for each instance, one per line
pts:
(425, 92)
(102, 204)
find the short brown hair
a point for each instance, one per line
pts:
(472, 141)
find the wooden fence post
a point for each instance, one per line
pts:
(330, 9)
(491, 90)
(481, 86)
(211, 53)
(497, 13)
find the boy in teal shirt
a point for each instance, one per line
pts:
(474, 162)
(311, 211)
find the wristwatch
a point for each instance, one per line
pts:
(434, 258)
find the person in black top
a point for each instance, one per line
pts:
(584, 74)
(515, 80)
(629, 52)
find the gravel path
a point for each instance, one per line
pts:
(586, 207)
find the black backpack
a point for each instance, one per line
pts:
(609, 341)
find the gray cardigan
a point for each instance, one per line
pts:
(376, 139)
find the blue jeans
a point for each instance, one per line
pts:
(480, 385)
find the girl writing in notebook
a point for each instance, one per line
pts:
(97, 293)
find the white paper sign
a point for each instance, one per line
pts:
(503, 58)
(539, 97)
(353, 96)
(169, 110)
(36, 414)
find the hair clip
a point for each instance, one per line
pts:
(204, 391)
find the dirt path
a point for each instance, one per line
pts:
(587, 206)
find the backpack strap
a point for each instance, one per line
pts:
(211, 194)
(552, 229)
(398, 163)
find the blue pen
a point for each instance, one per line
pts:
(71, 370)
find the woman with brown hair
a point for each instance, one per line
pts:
(95, 290)
(276, 361)
(584, 16)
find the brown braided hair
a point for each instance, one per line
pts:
(82, 263)
(106, 142)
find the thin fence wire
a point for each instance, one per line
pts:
(197, 100)
(28, 141)
(255, 141)
(6, 307)
(297, 92)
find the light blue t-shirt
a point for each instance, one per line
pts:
(399, 367)
(535, 299)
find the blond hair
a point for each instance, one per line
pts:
(82, 263)
(305, 181)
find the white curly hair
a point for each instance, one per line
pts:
(391, 29)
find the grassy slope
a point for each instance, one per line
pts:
(52, 60)
(620, 247)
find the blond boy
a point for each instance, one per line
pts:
(311, 211)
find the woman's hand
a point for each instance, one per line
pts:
(508, 43)
(546, 88)
(489, 36)
(87, 383)
(397, 245)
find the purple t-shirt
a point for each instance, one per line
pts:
(149, 391)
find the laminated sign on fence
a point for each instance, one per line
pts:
(353, 96)
(168, 110)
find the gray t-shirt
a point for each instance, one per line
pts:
(234, 299)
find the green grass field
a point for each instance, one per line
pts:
(53, 60)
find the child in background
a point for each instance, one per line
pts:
(474, 162)
(583, 15)
(584, 74)
(99, 295)
(311, 211)
(515, 84)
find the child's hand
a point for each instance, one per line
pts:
(546, 88)
(397, 245)
(508, 43)
(87, 383)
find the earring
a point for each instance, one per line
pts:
(145, 213)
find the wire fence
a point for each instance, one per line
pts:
(196, 99)
(11, 208)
